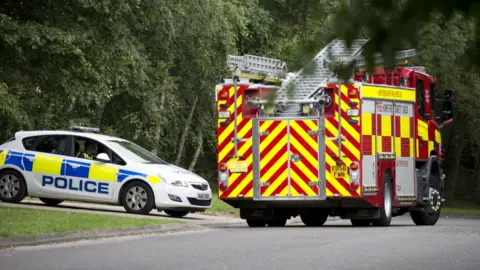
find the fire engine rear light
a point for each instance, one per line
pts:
(354, 166)
(223, 95)
(352, 93)
(353, 112)
(223, 177)
(354, 185)
(223, 186)
(223, 167)
(224, 114)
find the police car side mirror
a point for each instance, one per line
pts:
(103, 157)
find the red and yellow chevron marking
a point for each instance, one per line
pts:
(350, 147)
(305, 170)
(273, 158)
(238, 183)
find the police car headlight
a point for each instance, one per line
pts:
(179, 183)
(175, 183)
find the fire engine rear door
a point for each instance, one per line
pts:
(286, 159)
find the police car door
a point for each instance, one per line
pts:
(44, 160)
(91, 179)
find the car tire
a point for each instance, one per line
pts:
(13, 188)
(137, 197)
(176, 214)
(50, 202)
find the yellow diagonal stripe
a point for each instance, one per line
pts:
(301, 183)
(276, 166)
(228, 147)
(304, 153)
(270, 189)
(284, 192)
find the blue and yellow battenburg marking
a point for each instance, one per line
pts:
(44, 164)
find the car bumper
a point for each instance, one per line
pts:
(170, 197)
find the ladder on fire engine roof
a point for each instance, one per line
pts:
(306, 84)
(257, 67)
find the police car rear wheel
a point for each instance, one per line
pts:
(137, 198)
(51, 202)
(12, 186)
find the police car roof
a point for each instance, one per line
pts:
(96, 136)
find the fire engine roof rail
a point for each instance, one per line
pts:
(252, 66)
(307, 84)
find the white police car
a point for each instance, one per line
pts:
(47, 165)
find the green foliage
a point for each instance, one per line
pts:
(135, 68)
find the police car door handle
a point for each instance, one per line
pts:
(31, 158)
(74, 165)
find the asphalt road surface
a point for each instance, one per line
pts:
(452, 244)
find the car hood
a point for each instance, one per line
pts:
(172, 172)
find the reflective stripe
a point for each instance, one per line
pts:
(47, 165)
(3, 157)
(50, 165)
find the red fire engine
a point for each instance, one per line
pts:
(367, 149)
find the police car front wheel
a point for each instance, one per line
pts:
(137, 197)
(12, 186)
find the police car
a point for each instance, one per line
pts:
(56, 166)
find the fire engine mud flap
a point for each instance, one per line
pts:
(287, 164)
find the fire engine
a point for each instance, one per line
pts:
(367, 149)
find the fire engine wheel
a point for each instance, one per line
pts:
(386, 210)
(255, 223)
(314, 219)
(431, 214)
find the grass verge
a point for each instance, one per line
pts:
(461, 208)
(16, 221)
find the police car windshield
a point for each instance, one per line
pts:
(137, 153)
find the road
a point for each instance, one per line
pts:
(451, 244)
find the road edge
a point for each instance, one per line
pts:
(55, 238)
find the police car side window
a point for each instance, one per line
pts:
(101, 148)
(52, 144)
